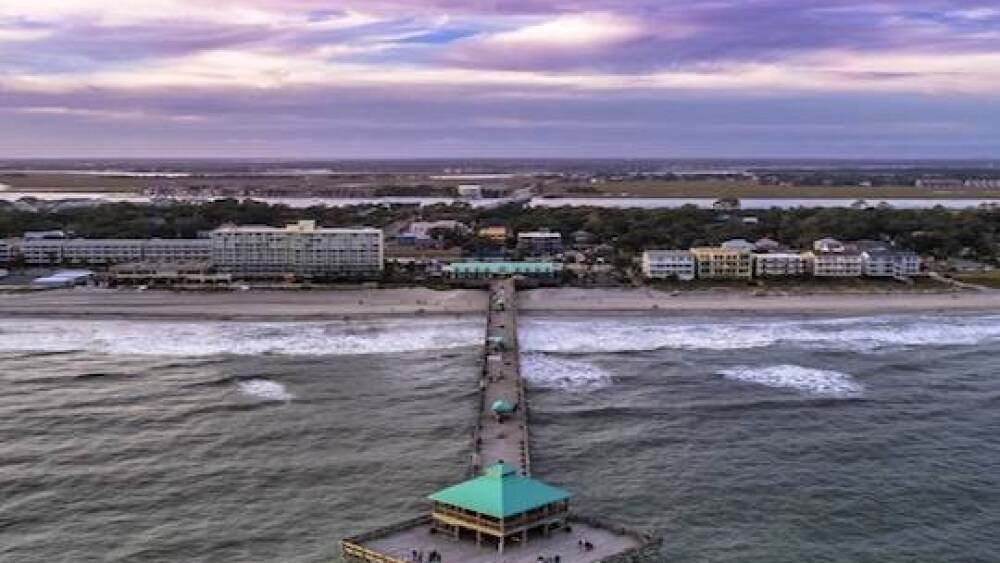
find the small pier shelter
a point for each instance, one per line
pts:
(500, 506)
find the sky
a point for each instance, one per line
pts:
(501, 78)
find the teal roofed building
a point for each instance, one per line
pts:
(489, 270)
(500, 506)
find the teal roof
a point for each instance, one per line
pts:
(502, 406)
(506, 267)
(501, 493)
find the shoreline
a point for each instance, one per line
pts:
(313, 306)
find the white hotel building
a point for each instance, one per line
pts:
(668, 264)
(301, 249)
(52, 251)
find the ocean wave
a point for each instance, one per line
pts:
(809, 380)
(862, 334)
(551, 372)
(238, 338)
(265, 389)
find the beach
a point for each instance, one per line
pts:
(363, 303)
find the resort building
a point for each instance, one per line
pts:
(888, 263)
(500, 507)
(42, 251)
(169, 275)
(715, 263)
(177, 250)
(301, 250)
(668, 264)
(492, 270)
(540, 243)
(783, 264)
(101, 251)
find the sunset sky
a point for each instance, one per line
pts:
(507, 78)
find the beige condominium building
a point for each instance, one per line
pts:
(716, 263)
(301, 249)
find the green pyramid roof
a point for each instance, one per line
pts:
(502, 406)
(501, 493)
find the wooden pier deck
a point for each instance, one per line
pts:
(506, 439)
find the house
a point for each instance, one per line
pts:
(766, 245)
(540, 243)
(717, 263)
(8, 249)
(668, 264)
(739, 244)
(847, 263)
(885, 262)
(470, 191)
(781, 264)
(495, 233)
(829, 245)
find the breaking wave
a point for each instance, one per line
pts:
(812, 381)
(238, 338)
(863, 334)
(550, 372)
(265, 389)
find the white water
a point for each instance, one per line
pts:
(265, 389)
(865, 334)
(808, 380)
(551, 372)
(212, 338)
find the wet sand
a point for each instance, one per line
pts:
(318, 305)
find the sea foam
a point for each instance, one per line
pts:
(238, 338)
(861, 334)
(265, 389)
(811, 381)
(552, 372)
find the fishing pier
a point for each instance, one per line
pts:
(501, 514)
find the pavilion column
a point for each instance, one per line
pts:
(479, 538)
(500, 545)
(524, 537)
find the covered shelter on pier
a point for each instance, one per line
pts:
(500, 507)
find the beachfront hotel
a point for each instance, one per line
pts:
(40, 251)
(302, 249)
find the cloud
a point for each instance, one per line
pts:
(229, 64)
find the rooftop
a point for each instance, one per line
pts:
(501, 492)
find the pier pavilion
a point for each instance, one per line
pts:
(502, 506)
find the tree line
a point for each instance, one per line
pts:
(939, 232)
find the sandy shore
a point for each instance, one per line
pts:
(568, 300)
(319, 305)
(249, 305)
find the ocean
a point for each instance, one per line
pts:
(766, 439)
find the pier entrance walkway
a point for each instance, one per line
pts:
(501, 432)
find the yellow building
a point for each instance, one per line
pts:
(716, 263)
(496, 234)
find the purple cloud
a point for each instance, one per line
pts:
(585, 75)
